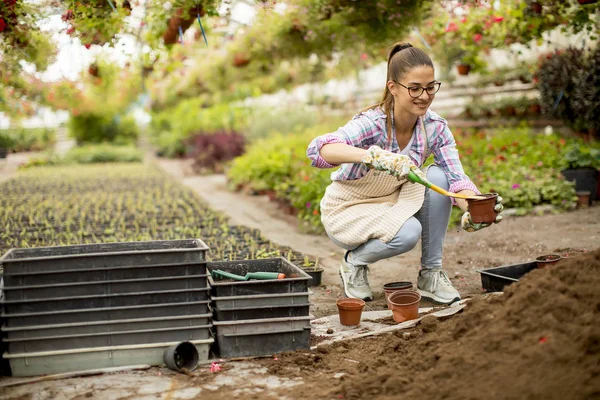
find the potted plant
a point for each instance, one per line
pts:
(580, 164)
(313, 270)
(6, 143)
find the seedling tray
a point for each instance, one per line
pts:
(103, 255)
(296, 280)
(244, 313)
(106, 314)
(56, 362)
(104, 301)
(497, 278)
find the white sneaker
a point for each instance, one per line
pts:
(435, 285)
(356, 280)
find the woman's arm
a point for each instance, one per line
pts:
(340, 153)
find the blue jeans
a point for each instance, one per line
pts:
(429, 224)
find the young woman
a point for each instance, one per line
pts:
(370, 209)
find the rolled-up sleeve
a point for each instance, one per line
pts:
(446, 156)
(359, 132)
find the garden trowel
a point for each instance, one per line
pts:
(250, 275)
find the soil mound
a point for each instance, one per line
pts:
(541, 339)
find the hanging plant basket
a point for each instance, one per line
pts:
(181, 19)
(463, 69)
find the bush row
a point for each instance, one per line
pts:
(23, 139)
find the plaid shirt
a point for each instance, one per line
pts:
(369, 128)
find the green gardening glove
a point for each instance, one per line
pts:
(470, 226)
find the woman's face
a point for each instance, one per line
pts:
(417, 77)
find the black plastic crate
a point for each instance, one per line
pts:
(105, 274)
(106, 314)
(104, 287)
(261, 300)
(262, 344)
(112, 338)
(105, 301)
(495, 279)
(244, 313)
(103, 255)
(296, 280)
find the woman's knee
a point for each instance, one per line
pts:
(437, 176)
(408, 236)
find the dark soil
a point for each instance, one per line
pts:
(541, 340)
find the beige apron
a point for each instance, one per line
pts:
(372, 207)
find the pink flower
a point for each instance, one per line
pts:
(451, 27)
(364, 56)
(463, 19)
(516, 186)
(308, 204)
(477, 37)
(215, 367)
(498, 18)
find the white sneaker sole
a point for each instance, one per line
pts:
(432, 297)
(346, 292)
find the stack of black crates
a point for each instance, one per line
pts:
(260, 317)
(82, 307)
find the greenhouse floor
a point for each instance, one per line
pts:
(364, 368)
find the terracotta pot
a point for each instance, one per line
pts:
(498, 83)
(405, 305)
(535, 109)
(240, 60)
(483, 210)
(392, 287)
(545, 260)
(93, 69)
(583, 199)
(180, 19)
(350, 311)
(463, 69)
(524, 79)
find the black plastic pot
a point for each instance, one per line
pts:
(180, 356)
(586, 180)
(496, 278)
(316, 276)
(3, 152)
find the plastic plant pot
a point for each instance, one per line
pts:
(350, 311)
(405, 305)
(392, 287)
(482, 211)
(181, 356)
(547, 259)
(583, 199)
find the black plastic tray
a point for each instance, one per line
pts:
(103, 255)
(262, 344)
(105, 314)
(105, 301)
(296, 280)
(104, 287)
(244, 313)
(495, 279)
(104, 274)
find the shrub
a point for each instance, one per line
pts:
(32, 139)
(98, 128)
(586, 99)
(211, 151)
(89, 154)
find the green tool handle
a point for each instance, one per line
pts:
(416, 179)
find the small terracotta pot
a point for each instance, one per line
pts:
(545, 260)
(405, 305)
(483, 210)
(350, 311)
(463, 69)
(392, 287)
(583, 199)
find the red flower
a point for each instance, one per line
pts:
(364, 56)
(2, 25)
(88, 45)
(315, 212)
(451, 27)
(70, 30)
(477, 37)
(463, 19)
(498, 18)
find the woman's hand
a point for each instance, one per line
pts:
(468, 225)
(398, 165)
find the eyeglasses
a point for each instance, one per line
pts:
(417, 91)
